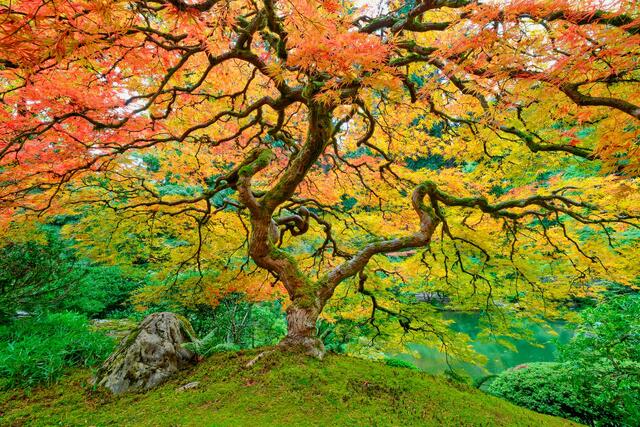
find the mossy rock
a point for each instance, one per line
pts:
(116, 328)
(149, 355)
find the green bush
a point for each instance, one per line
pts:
(209, 345)
(101, 292)
(543, 387)
(34, 274)
(237, 322)
(337, 335)
(598, 381)
(604, 356)
(399, 363)
(39, 350)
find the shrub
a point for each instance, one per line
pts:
(399, 363)
(610, 330)
(598, 381)
(39, 350)
(208, 346)
(237, 321)
(604, 356)
(339, 334)
(33, 274)
(543, 387)
(102, 291)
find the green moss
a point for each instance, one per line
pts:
(114, 325)
(262, 161)
(311, 89)
(281, 389)
(307, 294)
(131, 337)
(186, 327)
(280, 254)
(405, 59)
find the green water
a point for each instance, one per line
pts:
(540, 348)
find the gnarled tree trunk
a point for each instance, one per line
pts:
(301, 331)
(308, 297)
(306, 302)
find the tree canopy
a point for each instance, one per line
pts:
(348, 156)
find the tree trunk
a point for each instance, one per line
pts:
(301, 331)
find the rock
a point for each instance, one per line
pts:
(116, 328)
(433, 297)
(189, 386)
(149, 355)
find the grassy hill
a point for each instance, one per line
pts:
(278, 390)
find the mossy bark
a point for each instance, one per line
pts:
(301, 332)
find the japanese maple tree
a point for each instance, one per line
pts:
(487, 150)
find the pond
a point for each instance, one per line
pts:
(541, 348)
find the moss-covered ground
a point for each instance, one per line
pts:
(279, 390)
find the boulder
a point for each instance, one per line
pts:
(433, 297)
(116, 328)
(149, 355)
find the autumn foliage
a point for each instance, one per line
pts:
(488, 151)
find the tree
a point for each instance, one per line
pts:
(314, 121)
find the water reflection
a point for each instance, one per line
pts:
(541, 348)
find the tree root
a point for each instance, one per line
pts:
(258, 357)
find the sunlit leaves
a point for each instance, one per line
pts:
(139, 117)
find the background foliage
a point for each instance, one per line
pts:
(42, 271)
(38, 350)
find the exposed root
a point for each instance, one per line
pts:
(258, 357)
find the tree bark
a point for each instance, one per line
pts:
(301, 331)
(308, 297)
